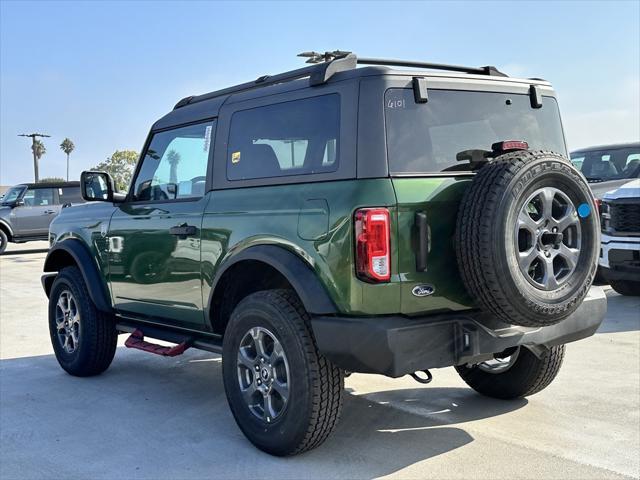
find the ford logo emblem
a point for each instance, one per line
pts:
(423, 290)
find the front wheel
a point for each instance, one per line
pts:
(517, 373)
(84, 339)
(285, 396)
(3, 241)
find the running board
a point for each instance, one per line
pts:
(192, 339)
(136, 340)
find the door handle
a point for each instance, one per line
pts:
(183, 230)
(49, 212)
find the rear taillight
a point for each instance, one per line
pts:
(372, 244)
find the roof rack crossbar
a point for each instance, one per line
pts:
(488, 70)
(317, 74)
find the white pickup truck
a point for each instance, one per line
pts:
(620, 244)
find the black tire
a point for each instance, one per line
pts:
(316, 386)
(626, 287)
(528, 375)
(3, 241)
(488, 244)
(97, 337)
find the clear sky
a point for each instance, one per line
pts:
(101, 73)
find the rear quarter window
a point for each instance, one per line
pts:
(300, 137)
(69, 195)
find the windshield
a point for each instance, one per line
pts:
(608, 164)
(12, 195)
(425, 137)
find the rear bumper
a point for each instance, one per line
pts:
(395, 346)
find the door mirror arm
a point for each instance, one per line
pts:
(119, 197)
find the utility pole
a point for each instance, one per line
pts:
(33, 137)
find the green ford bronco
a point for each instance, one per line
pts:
(336, 219)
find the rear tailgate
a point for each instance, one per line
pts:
(424, 141)
(438, 199)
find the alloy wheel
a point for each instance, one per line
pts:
(68, 321)
(263, 374)
(548, 238)
(500, 364)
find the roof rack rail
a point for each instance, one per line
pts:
(325, 65)
(318, 74)
(488, 70)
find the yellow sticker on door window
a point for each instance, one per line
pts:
(235, 157)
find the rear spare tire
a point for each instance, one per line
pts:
(527, 238)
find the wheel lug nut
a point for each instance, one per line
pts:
(257, 368)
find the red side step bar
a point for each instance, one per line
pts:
(136, 340)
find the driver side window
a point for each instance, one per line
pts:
(38, 197)
(175, 164)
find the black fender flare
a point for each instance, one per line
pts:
(94, 281)
(299, 274)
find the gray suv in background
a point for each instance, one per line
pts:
(26, 210)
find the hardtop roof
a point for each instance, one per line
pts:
(48, 184)
(201, 107)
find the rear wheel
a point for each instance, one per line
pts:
(626, 287)
(285, 396)
(517, 373)
(83, 338)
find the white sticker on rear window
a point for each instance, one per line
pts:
(207, 138)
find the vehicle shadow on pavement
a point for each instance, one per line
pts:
(23, 252)
(151, 417)
(623, 314)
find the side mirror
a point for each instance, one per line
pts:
(19, 203)
(97, 187)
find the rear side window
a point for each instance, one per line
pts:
(69, 195)
(425, 137)
(300, 137)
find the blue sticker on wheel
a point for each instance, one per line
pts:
(584, 210)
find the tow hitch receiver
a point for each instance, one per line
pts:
(136, 340)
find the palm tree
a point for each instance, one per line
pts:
(38, 149)
(67, 147)
(174, 159)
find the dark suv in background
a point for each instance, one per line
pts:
(27, 209)
(337, 219)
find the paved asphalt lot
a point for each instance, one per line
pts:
(153, 417)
